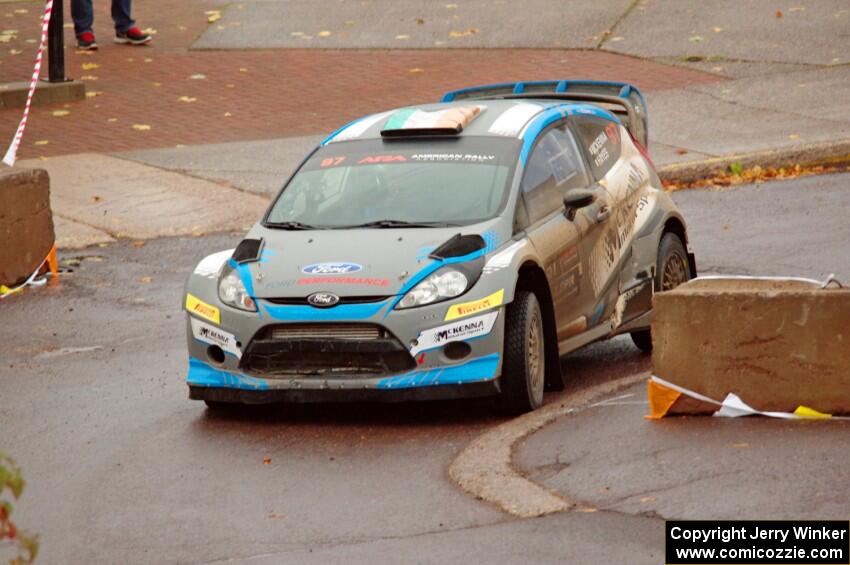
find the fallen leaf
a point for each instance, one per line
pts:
(797, 8)
(230, 85)
(151, 31)
(416, 70)
(93, 93)
(96, 198)
(778, 13)
(15, 51)
(267, 460)
(182, 28)
(41, 142)
(89, 66)
(695, 38)
(219, 27)
(736, 168)
(141, 127)
(794, 136)
(130, 59)
(646, 499)
(24, 11)
(60, 113)
(84, 53)
(297, 33)
(196, 76)
(402, 36)
(147, 59)
(464, 33)
(88, 77)
(742, 445)
(324, 33)
(112, 119)
(726, 227)
(274, 516)
(618, 38)
(681, 151)
(717, 29)
(586, 509)
(156, 84)
(139, 243)
(243, 70)
(451, 6)
(187, 99)
(145, 280)
(349, 22)
(420, 21)
(213, 16)
(68, 26)
(227, 114)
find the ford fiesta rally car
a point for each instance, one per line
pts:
(446, 250)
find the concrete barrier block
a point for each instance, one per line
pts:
(26, 222)
(777, 344)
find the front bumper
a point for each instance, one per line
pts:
(430, 373)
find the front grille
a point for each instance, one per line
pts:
(331, 350)
(327, 331)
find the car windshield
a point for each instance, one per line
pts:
(399, 183)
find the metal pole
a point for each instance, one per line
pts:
(56, 44)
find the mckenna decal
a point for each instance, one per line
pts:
(458, 331)
(200, 308)
(467, 308)
(331, 268)
(344, 280)
(215, 336)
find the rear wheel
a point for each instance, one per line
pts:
(524, 366)
(671, 270)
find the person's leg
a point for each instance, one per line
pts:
(121, 15)
(83, 16)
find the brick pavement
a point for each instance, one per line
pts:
(262, 94)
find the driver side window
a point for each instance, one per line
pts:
(554, 167)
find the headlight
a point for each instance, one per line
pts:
(443, 284)
(231, 291)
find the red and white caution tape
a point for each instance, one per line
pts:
(12, 152)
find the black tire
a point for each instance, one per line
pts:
(672, 269)
(524, 366)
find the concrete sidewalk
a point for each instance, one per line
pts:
(243, 91)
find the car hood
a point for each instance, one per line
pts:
(356, 262)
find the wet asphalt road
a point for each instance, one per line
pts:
(121, 468)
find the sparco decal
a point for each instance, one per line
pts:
(331, 268)
(457, 331)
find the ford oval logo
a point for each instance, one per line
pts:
(331, 268)
(323, 299)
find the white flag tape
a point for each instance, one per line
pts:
(12, 152)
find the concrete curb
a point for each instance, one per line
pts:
(484, 469)
(825, 153)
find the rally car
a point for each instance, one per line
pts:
(446, 250)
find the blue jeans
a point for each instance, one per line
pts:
(83, 15)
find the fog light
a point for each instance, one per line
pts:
(215, 354)
(457, 350)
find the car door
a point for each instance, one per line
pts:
(555, 166)
(605, 243)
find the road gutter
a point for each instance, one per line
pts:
(484, 469)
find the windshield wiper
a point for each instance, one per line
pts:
(402, 224)
(289, 226)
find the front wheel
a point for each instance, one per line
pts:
(524, 366)
(671, 270)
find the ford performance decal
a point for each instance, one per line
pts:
(331, 268)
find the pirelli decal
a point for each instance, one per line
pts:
(468, 308)
(201, 309)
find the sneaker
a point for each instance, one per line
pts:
(133, 36)
(86, 41)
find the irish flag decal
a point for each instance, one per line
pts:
(451, 120)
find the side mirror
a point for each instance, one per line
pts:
(577, 198)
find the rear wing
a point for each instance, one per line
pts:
(620, 98)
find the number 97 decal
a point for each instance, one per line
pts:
(332, 161)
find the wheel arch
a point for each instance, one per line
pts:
(676, 225)
(532, 278)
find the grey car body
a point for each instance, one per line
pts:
(578, 224)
